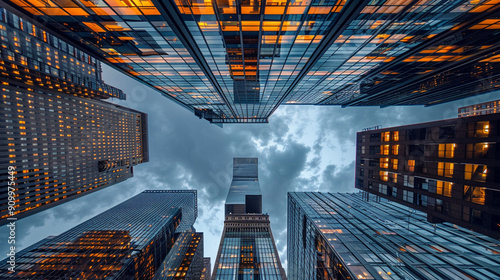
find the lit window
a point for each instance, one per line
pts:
(445, 169)
(476, 172)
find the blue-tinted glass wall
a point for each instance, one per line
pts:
(33, 56)
(344, 236)
(128, 241)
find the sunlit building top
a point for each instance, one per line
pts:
(237, 61)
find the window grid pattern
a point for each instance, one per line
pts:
(64, 146)
(379, 240)
(247, 250)
(262, 48)
(104, 246)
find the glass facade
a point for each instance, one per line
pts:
(247, 249)
(63, 147)
(244, 196)
(128, 241)
(32, 56)
(185, 260)
(61, 139)
(346, 236)
(231, 61)
(448, 169)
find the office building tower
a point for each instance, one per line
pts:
(490, 107)
(449, 169)
(247, 249)
(63, 141)
(207, 269)
(343, 236)
(128, 241)
(234, 62)
(64, 147)
(32, 56)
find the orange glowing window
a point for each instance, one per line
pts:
(319, 10)
(295, 10)
(150, 11)
(95, 27)
(76, 11)
(53, 11)
(275, 10)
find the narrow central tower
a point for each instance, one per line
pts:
(244, 196)
(247, 247)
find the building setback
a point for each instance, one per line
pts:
(55, 130)
(247, 249)
(129, 241)
(232, 62)
(449, 169)
(344, 236)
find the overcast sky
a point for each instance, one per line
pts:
(302, 148)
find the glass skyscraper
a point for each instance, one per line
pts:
(129, 241)
(247, 249)
(237, 61)
(58, 134)
(449, 169)
(344, 236)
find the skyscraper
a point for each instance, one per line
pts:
(62, 140)
(238, 61)
(247, 249)
(343, 236)
(129, 241)
(449, 169)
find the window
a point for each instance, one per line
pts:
(474, 194)
(395, 150)
(384, 162)
(408, 181)
(363, 148)
(411, 165)
(478, 129)
(394, 163)
(394, 177)
(382, 188)
(444, 188)
(386, 136)
(445, 169)
(384, 149)
(395, 136)
(374, 150)
(384, 176)
(394, 192)
(447, 150)
(408, 196)
(476, 172)
(375, 137)
(478, 150)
